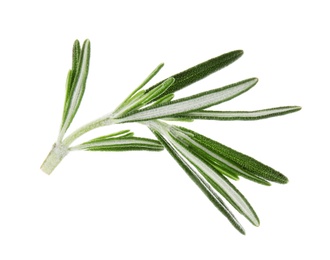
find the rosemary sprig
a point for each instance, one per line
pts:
(207, 162)
(75, 88)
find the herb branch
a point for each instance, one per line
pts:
(207, 162)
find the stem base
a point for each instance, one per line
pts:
(55, 156)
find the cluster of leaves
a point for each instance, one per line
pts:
(207, 162)
(75, 88)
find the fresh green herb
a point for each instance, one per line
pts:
(207, 162)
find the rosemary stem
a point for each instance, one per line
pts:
(103, 121)
(61, 148)
(55, 156)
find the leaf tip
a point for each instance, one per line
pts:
(169, 81)
(285, 180)
(242, 231)
(86, 45)
(234, 55)
(76, 43)
(239, 53)
(254, 80)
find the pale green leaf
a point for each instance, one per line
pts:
(219, 182)
(122, 108)
(207, 189)
(239, 115)
(164, 99)
(123, 133)
(126, 143)
(158, 91)
(191, 103)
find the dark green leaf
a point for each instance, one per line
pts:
(76, 51)
(70, 78)
(201, 71)
(220, 164)
(244, 161)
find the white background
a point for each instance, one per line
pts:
(141, 205)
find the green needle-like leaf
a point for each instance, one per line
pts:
(211, 159)
(76, 51)
(192, 103)
(210, 193)
(150, 76)
(122, 108)
(221, 164)
(239, 115)
(75, 91)
(68, 90)
(121, 134)
(158, 91)
(142, 98)
(131, 104)
(225, 167)
(165, 99)
(218, 166)
(247, 163)
(71, 75)
(220, 183)
(201, 71)
(126, 143)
